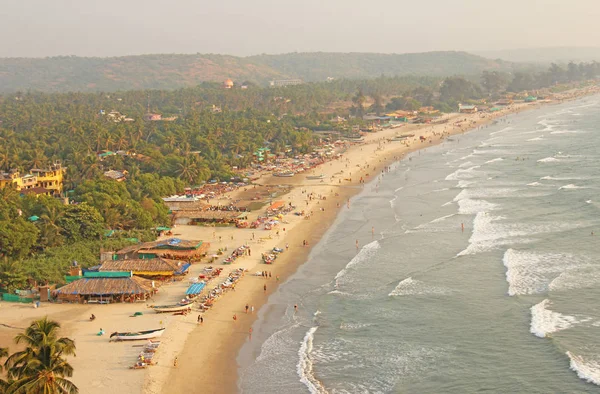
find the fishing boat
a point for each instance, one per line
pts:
(315, 176)
(284, 174)
(136, 335)
(171, 308)
(402, 137)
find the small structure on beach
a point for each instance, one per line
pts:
(467, 109)
(106, 287)
(158, 267)
(208, 216)
(172, 248)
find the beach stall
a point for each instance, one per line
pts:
(195, 289)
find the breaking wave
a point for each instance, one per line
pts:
(534, 273)
(586, 370)
(544, 321)
(367, 252)
(410, 286)
(305, 365)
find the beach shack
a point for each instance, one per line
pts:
(172, 248)
(467, 109)
(151, 268)
(106, 287)
(207, 216)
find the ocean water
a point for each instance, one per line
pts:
(510, 304)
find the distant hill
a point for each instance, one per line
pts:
(545, 55)
(170, 71)
(317, 66)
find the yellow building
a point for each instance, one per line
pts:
(44, 181)
(8, 178)
(50, 178)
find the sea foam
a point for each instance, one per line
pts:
(548, 160)
(468, 206)
(544, 321)
(459, 174)
(588, 370)
(410, 286)
(534, 273)
(571, 187)
(305, 365)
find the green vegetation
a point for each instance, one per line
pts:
(41, 367)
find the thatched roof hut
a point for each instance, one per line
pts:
(202, 216)
(146, 267)
(173, 248)
(110, 286)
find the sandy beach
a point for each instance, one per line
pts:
(207, 353)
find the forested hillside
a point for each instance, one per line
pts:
(70, 73)
(318, 66)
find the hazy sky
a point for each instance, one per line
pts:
(245, 27)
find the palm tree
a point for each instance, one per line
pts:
(51, 230)
(41, 368)
(3, 383)
(187, 170)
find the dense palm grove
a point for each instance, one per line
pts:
(41, 367)
(214, 131)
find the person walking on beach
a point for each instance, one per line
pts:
(295, 308)
(270, 274)
(234, 317)
(199, 319)
(250, 333)
(287, 246)
(175, 362)
(357, 244)
(247, 307)
(265, 288)
(252, 309)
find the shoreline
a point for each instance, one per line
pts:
(208, 354)
(220, 365)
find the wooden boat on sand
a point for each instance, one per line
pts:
(313, 177)
(284, 174)
(137, 335)
(171, 308)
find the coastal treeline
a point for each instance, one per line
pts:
(42, 366)
(492, 85)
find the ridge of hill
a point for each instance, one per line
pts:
(172, 71)
(545, 55)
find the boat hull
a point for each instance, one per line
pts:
(171, 308)
(126, 336)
